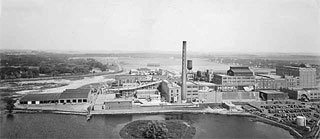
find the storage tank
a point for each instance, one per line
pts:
(189, 64)
(301, 121)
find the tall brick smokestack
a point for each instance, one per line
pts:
(184, 69)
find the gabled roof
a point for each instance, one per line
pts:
(41, 97)
(75, 93)
(240, 69)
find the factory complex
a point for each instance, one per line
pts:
(278, 97)
(155, 86)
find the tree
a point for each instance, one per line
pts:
(155, 130)
(9, 103)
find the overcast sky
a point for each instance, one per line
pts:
(162, 25)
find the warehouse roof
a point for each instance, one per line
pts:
(75, 93)
(41, 97)
(239, 70)
(271, 92)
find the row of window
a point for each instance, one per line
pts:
(73, 101)
(192, 86)
(56, 101)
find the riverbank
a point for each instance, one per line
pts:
(292, 131)
(71, 77)
(155, 110)
(82, 108)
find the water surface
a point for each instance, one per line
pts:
(44, 125)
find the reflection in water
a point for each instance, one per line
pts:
(10, 116)
(41, 125)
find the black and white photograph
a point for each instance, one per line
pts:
(159, 69)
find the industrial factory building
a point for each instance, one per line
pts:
(237, 78)
(269, 82)
(74, 96)
(192, 92)
(69, 96)
(170, 91)
(125, 79)
(272, 95)
(149, 94)
(50, 98)
(239, 71)
(306, 76)
(303, 94)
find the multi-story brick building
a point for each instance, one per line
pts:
(268, 81)
(170, 91)
(305, 76)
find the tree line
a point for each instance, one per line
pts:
(44, 64)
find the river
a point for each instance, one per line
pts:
(45, 125)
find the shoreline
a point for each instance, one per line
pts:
(104, 73)
(119, 112)
(292, 131)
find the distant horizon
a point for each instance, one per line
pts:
(232, 26)
(159, 52)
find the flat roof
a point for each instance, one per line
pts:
(171, 84)
(294, 67)
(271, 92)
(223, 75)
(270, 76)
(41, 97)
(75, 93)
(205, 83)
(190, 83)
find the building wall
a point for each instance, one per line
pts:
(118, 105)
(225, 88)
(312, 94)
(153, 94)
(234, 80)
(306, 77)
(291, 81)
(280, 83)
(290, 71)
(170, 92)
(73, 101)
(274, 96)
(210, 97)
(120, 79)
(192, 92)
(190, 76)
(265, 83)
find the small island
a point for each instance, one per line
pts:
(158, 129)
